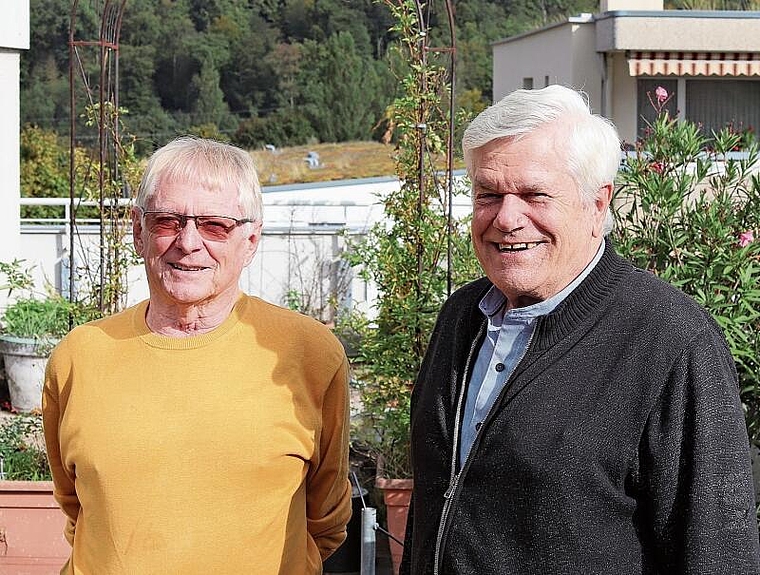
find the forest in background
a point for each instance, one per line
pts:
(281, 72)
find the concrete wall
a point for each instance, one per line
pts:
(547, 56)
(621, 107)
(610, 5)
(305, 230)
(677, 30)
(14, 37)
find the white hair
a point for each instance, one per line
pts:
(593, 145)
(210, 165)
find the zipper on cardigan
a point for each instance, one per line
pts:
(454, 482)
(454, 478)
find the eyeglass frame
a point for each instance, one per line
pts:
(183, 219)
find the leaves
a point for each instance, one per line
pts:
(406, 255)
(683, 202)
(21, 449)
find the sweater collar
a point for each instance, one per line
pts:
(586, 300)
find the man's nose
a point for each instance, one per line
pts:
(189, 239)
(511, 215)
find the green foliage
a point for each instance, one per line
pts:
(406, 255)
(44, 318)
(22, 455)
(45, 173)
(194, 62)
(281, 129)
(714, 5)
(683, 205)
(354, 81)
(209, 131)
(16, 278)
(104, 275)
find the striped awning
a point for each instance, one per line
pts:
(694, 63)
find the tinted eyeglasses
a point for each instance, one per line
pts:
(169, 224)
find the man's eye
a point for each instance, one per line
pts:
(216, 224)
(166, 222)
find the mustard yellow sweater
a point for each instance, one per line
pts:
(224, 453)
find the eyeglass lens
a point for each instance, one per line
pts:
(214, 228)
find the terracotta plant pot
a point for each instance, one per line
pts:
(31, 529)
(396, 493)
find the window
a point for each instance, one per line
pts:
(717, 103)
(527, 83)
(711, 103)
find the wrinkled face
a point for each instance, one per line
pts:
(532, 232)
(187, 269)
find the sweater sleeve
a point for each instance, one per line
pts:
(55, 392)
(697, 495)
(328, 491)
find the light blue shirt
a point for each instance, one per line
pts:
(508, 335)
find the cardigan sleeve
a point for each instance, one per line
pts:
(54, 396)
(697, 495)
(328, 491)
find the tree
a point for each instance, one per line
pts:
(340, 89)
(209, 105)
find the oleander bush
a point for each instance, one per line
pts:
(688, 209)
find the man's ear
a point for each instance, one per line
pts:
(601, 204)
(253, 238)
(137, 230)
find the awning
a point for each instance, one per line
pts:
(694, 63)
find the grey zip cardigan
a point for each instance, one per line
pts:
(618, 445)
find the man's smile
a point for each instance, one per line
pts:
(185, 268)
(517, 247)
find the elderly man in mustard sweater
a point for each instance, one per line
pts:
(203, 430)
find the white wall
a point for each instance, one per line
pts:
(14, 37)
(557, 54)
(305, 229)
(541, 56)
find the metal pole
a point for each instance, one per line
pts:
(369, 521)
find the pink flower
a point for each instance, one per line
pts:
(746, 238)
(661, 94)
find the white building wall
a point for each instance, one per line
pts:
(543, 58)
(557, 54)
(306, 227)
(14, 37)
(622, 110)
(587, 64)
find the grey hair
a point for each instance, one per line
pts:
(208, 164)
(593, 145)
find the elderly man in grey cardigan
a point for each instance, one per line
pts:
(574, 414)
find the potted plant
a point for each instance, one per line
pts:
(31, 326)
(31, 524)
(414, 257)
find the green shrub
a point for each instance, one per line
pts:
(35, 318)
(22, 454)
(287, 127)
(688, 209)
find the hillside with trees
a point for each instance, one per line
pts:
(263, 71)
(283, 72)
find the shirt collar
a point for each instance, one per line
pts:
(494, 300)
